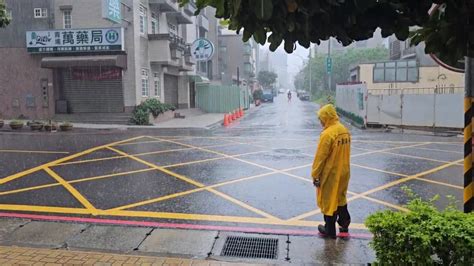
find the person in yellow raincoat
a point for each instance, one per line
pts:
(331, 172)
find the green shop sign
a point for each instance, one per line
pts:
(112, 10)
(75, 40)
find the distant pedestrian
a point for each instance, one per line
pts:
(331, 172)
(289, 96)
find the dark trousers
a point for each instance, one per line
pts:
(342, 217)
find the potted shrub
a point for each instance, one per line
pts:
(51, 126)
(36, 125)
(66, 126)
(16, 125)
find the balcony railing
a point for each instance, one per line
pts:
(177, 42)
(166, 5)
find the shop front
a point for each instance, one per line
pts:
(88, 67)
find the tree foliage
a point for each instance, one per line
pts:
(4, 20)
(342, 61)
(447, 32)
(266, 78)
(305, 22)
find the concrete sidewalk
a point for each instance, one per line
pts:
(27, 241)
(40, 256)
(201, 121)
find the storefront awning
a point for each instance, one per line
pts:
(84, 61)
(198, 78)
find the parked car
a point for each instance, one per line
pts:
(281, 91)
(304, 96)
(298, 92)
(267, 96)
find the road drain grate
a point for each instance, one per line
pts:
(250, 247)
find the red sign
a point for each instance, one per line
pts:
(96, 73)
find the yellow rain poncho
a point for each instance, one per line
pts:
(332, 162)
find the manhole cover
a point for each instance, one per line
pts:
(250, 247)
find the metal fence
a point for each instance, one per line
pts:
(221, 99)
(415, 107)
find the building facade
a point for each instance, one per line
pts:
(238, 60)
(91, 56)
(277, 62)
(408, 67)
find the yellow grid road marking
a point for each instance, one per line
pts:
(34, 208)
(39, 152)
(389, 149)
(73, 191)
(299, 223)
(138, 142)
(403, 180)
(280, 171)
(40, 167)
(438, 182)
(409, 156)
(75, 181)
(429, 149)
(381, 202)
(378, 170)
(382, 187)
(115, 174)
(241, 204)
(138, 154)
(200, 189)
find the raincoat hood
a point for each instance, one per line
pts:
(328, 115)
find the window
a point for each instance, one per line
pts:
(400, 71)
(143, 20)
(156, 84)
(41, 12)
(67, 19)
(145, 91)
(154, 23)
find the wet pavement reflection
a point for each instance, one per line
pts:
(254, 173)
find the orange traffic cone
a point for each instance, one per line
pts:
(241, 111)
(226, 120)
(237, 113)
(231, 117)
(234, 117)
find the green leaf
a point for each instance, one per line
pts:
(289, 46)
(260, 36)
(236, 4)
(263, 9)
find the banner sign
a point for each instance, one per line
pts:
(75, 40)
(112, 10)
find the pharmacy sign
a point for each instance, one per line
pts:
(75, 40)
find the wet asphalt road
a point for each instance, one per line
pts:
(253, 174)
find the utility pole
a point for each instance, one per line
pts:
(468, 123)
(310, 72)
(329, 60)
(468, 126)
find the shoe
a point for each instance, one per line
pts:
(322, 231)
(343, 230)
